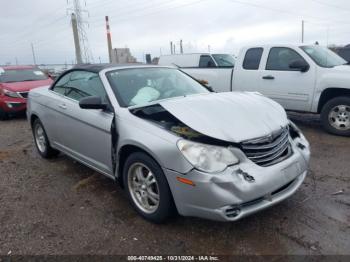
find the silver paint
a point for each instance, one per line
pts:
(235, 117)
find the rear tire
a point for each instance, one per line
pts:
(335, 116)
(147, 188)
(41, 141)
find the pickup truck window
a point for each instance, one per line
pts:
(206, 61)
(280, 58)
(252, 58)
(79, 84)
(224, 60)
(323, 56)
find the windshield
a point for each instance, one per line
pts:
(143, 85)
(21, 75)
(323, 56)
(224, 60)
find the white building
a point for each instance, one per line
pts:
(122, 56)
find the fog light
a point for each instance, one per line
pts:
(301, 146)
(233, 212)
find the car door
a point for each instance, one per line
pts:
(291, 88)
(85, 133)
(247, 71)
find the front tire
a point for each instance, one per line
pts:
(41, 141)
(335, 116)
(3, 115)
(147, 188)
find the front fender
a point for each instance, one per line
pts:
(157, 142)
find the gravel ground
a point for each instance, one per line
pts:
(61, 207)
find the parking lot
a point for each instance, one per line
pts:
(62, 207)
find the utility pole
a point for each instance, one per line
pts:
(181, 48)
(171, 47)
(78, 57)
(33, 53)
(208, 48)
(109, 40)
(81, 23)
(174, 49)
(302, 31)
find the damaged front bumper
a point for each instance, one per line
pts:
(240, 190)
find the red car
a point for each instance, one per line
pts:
(15, 83)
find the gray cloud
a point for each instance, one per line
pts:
(148, 26)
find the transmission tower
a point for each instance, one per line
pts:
(75, 7)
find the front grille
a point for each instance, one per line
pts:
(23, 94)
(270, 150)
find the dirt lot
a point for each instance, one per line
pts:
(62, 207)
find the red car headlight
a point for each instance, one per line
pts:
(9, 93)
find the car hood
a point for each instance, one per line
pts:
(26, 86)
(232, 116)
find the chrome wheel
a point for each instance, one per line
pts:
(40, 138)
(143, 188)
(339, 117)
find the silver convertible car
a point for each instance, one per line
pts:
(172, 143)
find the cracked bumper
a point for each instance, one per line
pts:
(229, 197)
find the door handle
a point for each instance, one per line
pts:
(63, 106)
(269, 77)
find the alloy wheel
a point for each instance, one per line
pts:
(40, 138)
(339, 117)
(143, 188)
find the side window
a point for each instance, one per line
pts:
(60, 86)
(252, 58)
(82, 84)
(206, 61)
(280, 58)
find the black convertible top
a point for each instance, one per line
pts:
(96, 68)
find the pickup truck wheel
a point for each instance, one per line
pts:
(335, 116)
(147, 188)
(41, 141)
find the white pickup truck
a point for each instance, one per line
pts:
(305, 78)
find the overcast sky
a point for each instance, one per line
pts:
(147, 26)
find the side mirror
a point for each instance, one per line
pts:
(92, 102)
(299, 65)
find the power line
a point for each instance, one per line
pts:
(288, 12)
(155, 12)
(35, 30)
(139, 8)
(331, 5)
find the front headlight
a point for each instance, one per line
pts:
(10, 93)
(207, 158)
